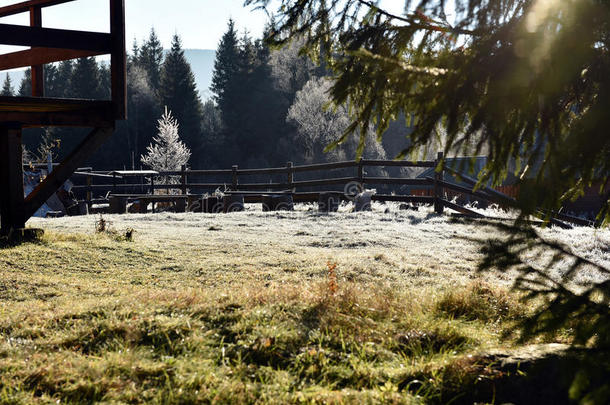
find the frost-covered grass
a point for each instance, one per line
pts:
(240, 308)
(387, 244)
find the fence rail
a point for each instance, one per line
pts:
(434, 189)
(235, 177)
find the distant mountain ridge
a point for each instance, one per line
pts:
(201, 60)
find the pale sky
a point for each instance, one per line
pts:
(200, 23)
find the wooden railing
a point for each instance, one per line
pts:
(438, 191)
(49, 45)
(235, 179)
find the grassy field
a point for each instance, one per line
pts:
(259, 307)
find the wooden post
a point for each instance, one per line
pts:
(183, 179)
(290, 175)
(438, 190)
(89, 191)
(37, 72)
(12, 212)
(152, 185)
(361, 175)
(118, 58)
(66, 168)
(234, 181)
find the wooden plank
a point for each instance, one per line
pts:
(195, 185)
(438, 189)
(65, 169)
(323, 182)
(461, 210)
(24, 6)
(36, 104)
(493, 195)
(58, 119)
(37, 70)
(499, 219)
(37, 112)
(41, 56)
(403, 198)
(398, 163)
(397, 180)
(273, 170)
(118, 59)
(262, 186)
(210, 172)
(325, 166)
(11, 178)
(20, 35)
(460, 189)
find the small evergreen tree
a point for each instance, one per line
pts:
(7, 88)
(135, 52)
(166, 152)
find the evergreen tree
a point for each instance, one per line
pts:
(63, 79)
(226, 69)
(135, 53)
(7, 88)
(50, 81)
(105, 81)
(245, 90)
(166, 151)
(85, 80)
(211, 133)
(25, 87)
(178, 92)
(150, 57)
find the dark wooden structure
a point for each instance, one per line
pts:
(284, 187)
(49, 45)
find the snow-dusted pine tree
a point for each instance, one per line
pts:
(166, 151)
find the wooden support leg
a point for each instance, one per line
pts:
(11, 179)
(65, 169)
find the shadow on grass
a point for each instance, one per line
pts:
(16, 237)
(562, 305)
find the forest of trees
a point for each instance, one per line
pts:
(268, 106)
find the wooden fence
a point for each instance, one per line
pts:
(187, 181)
(433, 189)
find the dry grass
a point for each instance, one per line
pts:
(202, 309)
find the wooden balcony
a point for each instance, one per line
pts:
(48, 45)
(40, 111)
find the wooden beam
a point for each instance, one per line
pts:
(48, 104)
(118, 58)
(65, 169)
(61, 119)
(37, 71)
(403, 198)
(24, 6)
(37, 112)
(11, 178)
(20, 35)
(462, 210)
(41, 56)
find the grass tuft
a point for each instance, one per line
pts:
(480, 301)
